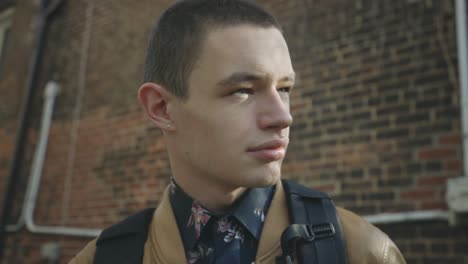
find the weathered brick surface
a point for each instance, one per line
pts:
(430, 242)
(376, 112)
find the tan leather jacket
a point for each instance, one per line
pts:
(365, 243)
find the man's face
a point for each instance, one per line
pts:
(233, 129)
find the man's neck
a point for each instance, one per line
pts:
(211, 196)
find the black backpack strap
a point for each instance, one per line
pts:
(315, 236)
(124, 242)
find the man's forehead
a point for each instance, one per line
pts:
(220, 34)
(243, 53)
(247, 44)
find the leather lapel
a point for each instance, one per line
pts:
(166, 243)
(276, 221)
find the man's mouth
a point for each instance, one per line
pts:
(269, 151)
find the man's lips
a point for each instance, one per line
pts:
(269, 151)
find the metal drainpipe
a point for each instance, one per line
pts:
(403, 217)
(462, 46)
(36, 172)
(46, 11)
(27, 213)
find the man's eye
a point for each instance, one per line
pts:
(243, 91)
(284, 89)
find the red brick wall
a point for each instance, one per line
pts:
(377, 120)
(376, 114)
(378, 102)
(430, 242)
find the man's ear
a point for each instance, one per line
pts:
(154, 98)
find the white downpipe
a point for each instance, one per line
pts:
(27, 212)
(413, 216)
(47, 117)
(35, 178)
(462, 46)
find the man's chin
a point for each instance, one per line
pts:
(266, 181)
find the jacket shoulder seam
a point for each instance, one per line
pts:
(385, 253)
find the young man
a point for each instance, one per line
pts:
(217, 82)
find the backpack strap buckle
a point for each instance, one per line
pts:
(300, 233)
(320, 231)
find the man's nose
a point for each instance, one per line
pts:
(274, 112)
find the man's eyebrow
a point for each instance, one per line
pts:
(240, 77)
(289, 78)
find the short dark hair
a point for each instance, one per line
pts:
(176, 41)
